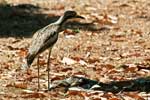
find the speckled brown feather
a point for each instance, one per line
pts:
(43, 39)
(46, 37)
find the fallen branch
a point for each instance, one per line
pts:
(140, 84)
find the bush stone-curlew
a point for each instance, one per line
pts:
(45, 38)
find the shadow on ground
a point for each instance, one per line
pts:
(22, 20)
(25, 19)
(140, 84)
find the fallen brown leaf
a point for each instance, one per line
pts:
(20, 85)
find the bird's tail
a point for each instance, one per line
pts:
(30, 58)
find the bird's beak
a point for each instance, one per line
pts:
(80, 17)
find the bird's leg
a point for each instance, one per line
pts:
(48, 69)
(38, 73)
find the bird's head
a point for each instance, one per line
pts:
(68, 15)
(72, 14)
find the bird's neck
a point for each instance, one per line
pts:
(61, 20)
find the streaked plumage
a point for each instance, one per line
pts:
(43, 39)
(46, 37)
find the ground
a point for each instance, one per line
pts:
(110, 44)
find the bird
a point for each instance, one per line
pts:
(45, 38)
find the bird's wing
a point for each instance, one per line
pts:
(41, 37)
